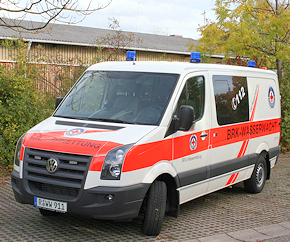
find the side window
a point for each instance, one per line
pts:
(231, 99)
(193, 95)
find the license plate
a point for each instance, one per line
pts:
(50, 204)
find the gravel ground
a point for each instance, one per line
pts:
(225, 211)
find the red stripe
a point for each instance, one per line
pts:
(55, 141)
(231, 179)
(255, 104)
(22, 153)
(97, 163)
(235, 177)
(146, 155)
(246, 142)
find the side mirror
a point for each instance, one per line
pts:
(186, 117)
(58, 101)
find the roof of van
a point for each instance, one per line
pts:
(173, 67)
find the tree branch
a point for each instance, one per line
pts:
(49, 10)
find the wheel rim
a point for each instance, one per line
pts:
(260, 175)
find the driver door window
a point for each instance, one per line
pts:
(193, 95)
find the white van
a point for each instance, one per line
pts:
(135, 138)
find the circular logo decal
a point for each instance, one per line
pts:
(193, 142)
(52, 165)
(74, 132)
(271, 97)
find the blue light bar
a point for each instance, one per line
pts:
(251, 63)
(195, 57)
(131, 56)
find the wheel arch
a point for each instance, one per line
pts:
(163, 171)
(263, 150)
(265, 154)
(172, 194)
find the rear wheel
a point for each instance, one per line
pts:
(258, 179)
(155, 208)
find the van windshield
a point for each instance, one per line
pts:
(113, 96)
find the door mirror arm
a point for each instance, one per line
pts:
(58, 101)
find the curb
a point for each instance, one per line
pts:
(252, 235)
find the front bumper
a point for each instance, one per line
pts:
(126, 202)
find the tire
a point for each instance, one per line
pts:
(48, 213)
(155, 208)
(258, 179)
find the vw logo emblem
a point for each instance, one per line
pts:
(51, 165)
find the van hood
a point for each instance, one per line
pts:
(83, 137)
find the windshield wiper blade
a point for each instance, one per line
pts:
(111, 120)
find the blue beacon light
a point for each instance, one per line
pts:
(251, 63)
(131, 56)
(195, 57)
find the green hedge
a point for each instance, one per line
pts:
(22, 105)
(285, 108)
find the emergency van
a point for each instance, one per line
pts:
(141, 138)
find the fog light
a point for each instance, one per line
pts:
(110, 198)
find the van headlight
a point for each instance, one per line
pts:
(113, 163)
(18, 150)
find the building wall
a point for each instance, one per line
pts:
(86, 55)
(61, 65)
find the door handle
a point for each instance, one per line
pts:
(203, 135)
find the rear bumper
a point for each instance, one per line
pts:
(126, 202)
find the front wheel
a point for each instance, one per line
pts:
(258, 179)
(155, 208)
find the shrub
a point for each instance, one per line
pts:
(22, 105)
(285, 108)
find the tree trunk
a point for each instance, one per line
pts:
(279, 68)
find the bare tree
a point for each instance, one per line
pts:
(117, 42)
(14, 13)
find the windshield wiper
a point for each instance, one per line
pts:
(63, 116)
(111, 120)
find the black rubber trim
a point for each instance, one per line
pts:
(203, 173)
(94, 202)
(228, 166)
(193, 176)
(88, 125)
(274, 152)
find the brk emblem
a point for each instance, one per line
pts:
(271, 97)
(193, 142)
(74, 132)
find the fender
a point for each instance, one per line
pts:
(158, 169)
(263, 146)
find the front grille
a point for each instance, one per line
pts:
(66, 183)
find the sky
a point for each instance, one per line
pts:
(167, 17)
